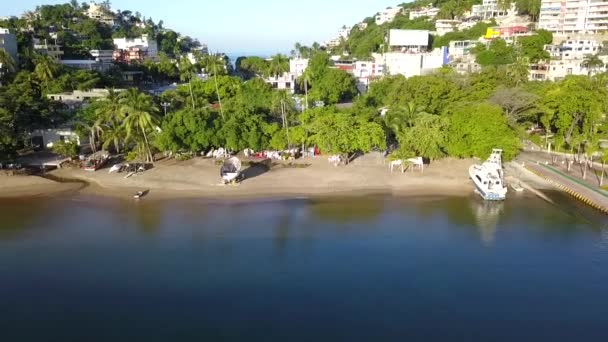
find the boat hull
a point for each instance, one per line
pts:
(485, 193)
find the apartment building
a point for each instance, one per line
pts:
(573, 16)
(132, 49)
(411, 64)
(490, 9)
(100, 12)
(8, 42)
(430, 12)
(44, 48)
(388, 15)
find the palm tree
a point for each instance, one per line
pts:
(141, 116)
(278, 65)
(186, 73)
(7, 64)
(45, 69)
(214, 64)
(113, 135)
(403, 117)
(593, 63)
(305, 79)
(109, 118)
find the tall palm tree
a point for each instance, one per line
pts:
(279, 64)
(305, 79)
(403, 117)
(45, 69)
(187, 71)
(141, 116)
(593, 63)
(7, 64)
(113, 135)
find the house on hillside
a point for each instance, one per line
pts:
(388, 15)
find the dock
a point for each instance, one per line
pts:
(593, 196)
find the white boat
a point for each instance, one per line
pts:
(489, 177)
(230, 170)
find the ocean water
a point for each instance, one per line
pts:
(80, 268)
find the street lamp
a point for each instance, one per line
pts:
(165, 105)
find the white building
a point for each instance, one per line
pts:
(388, 15)
(365, 72)
(362, 26)
(556, 70)
(443, 26)
(573, 16)
(297, 66)
(430, 12)
(86, 64)
(104, 56)
(144, 43)
(461, 48)
(409, 40)
(344, 32)
(100, 12)
(47, 138)
(412, 64)
(287, 81)
(574, 49)
(78, 97)
(490, 9)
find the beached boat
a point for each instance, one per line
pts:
(140, 194)
(489, 177)
(96, 161)
(230, 171)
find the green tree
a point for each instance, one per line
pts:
(335, 86)
(497, 53)
(279, 64)
(7, 65)
(593, 63)
(67, 149)
(45, 69)
(426, 137)
(475, 129)
(344, 133)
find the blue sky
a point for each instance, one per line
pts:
(239, 26)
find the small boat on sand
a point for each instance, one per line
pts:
(140, 194)
(230, 172)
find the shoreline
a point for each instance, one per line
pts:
(198, 179)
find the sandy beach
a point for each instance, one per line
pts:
(311, 177)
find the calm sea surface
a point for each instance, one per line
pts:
(79, 268)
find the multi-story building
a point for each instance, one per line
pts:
(86, 64)
(443, 26)
(8, 42)
(555, 70)
(430, 12)
(44, 48)
(100, 12)
(134, 46)
(344, 32)
(78, 97)
(490, 9)
(388, 15)
(129, 56)
(409, 40)
(573, 16)
(461, 48)
(105, 56)
(412, 64)
(574, 49)
(297, 66)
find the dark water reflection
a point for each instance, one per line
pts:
(82, 268)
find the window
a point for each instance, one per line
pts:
(288, 85)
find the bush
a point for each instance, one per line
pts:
(68, 149)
